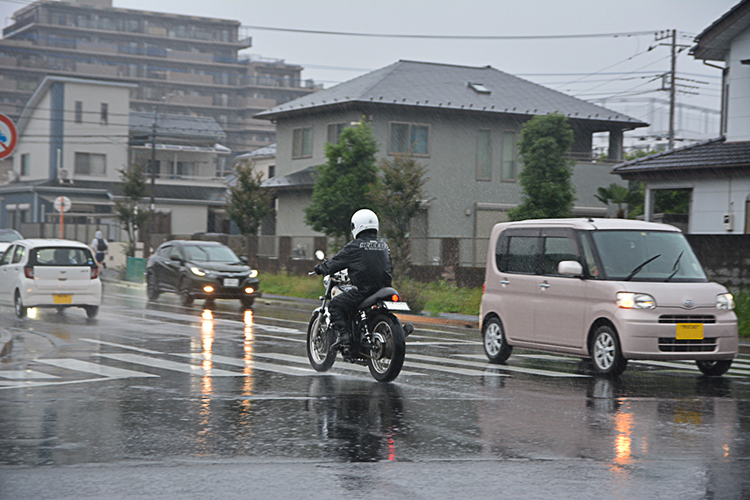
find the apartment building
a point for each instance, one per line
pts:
(182, 65)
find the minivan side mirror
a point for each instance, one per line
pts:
(570, 268)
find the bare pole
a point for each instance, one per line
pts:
(672, 89)
(147, 239)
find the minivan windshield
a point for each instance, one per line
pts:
(647, 256)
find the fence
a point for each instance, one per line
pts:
(73, 231)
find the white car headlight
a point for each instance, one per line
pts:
(630, 300)
(253, 273)
(725, 301)
(196, 271)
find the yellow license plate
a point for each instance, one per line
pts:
(62, 298)
(689, 331)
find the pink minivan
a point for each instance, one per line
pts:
(605, 289)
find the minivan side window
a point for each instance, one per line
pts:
(588, 254)
(522, 254)
(556, 250)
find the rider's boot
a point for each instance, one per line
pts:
(342, 338)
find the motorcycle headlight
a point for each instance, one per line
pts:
(253, 273)
(326, 280)
(629, 300)
(725, 301)
(197, 271)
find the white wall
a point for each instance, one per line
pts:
(35, 143)
(290, 215)
(738, 116)
(187, 219)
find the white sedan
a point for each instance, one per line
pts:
(50, 273)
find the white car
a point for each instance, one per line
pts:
(8, 236)
(50, 273)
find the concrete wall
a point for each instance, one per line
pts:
(738, 117)
(35, 142)
(187, 219)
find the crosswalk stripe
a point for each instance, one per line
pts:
(253, 364)
(510, 368)
(454, 370)
(25, 375)
(122, 346)
(94, 368)
(304, 360)
(170, 365)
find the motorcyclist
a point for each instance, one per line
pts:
(368, 260)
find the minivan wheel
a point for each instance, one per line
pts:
(714, 368)
(495, 344)
(91, 311)
(606, 353)
(18, 306)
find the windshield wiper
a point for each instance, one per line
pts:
(638, 269)
(675, 267)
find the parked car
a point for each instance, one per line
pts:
(50, 273)
(200, 270)
(606, 289)
(7, 236)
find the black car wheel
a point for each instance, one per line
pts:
(152, 289)
(186, 299)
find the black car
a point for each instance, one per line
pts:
(200, 270)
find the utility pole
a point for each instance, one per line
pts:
(672, 92)
(151, 223)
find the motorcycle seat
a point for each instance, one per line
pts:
(382, 294)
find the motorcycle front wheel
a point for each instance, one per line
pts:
(389, 348)
(319, 340)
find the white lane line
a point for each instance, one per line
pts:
(170, 365)
(340, 363)
(510, 368)
(31, 385)
(453, 370)
(122, 346)
(252, 364)
(25, 375)
(94, 368)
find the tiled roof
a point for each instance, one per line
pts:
(713, 154)
(713, 44)
(444, 86)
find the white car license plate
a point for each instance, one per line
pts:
(230, 282)
(397, 306)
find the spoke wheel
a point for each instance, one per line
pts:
(319, 340)
(19, 307)
(495, 345)
(186, 299)
(714, 368)
(387, 356)
(606, 353)
(152, 290)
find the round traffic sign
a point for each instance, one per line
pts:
(62, 204)
(8, 136)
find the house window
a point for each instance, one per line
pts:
(79, 112)
(271, 171)
(187, 169)
(510, 161)
(409, 138)
(484, 156)
(302, 142)
(25, 164)
(334, 131)
(90, 164)
(104, 119)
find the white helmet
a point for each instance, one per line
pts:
(363, 220)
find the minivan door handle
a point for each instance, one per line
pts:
(504, 282)
(544, 285)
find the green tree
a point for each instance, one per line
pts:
(620, 195)
(398, 196)
(248, 202)
(546, 173)
(343, 182)
(130, 213)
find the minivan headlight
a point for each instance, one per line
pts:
(630, 300)
(725, 301)
(196, 271)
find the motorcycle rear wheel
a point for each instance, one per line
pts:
(387, 358)
(319, 340)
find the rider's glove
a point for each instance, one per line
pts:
(318, 269)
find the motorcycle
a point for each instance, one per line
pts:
(378, 338)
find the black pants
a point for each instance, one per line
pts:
(343, 304)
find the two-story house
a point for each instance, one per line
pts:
(462, 122)
(77, 135)
(717, 172)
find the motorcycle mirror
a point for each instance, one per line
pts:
(320, 255)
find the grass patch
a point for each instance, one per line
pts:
(308, 287)
(742, 309)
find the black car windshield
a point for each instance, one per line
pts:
(647, 256)
(200, 253)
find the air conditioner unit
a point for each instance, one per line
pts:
(63, 174)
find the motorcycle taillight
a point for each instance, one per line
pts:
(395, 298)
(29, 272)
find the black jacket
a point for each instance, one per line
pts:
(368, 260)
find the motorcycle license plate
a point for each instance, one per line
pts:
(397, 306)
(689, 331)
(230, 282)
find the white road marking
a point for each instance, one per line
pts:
(339, 362)
(453, 370)
(170, 365)
(252, 364)
(122, 346)
(95, 368)
(25, 375)
(510, 368)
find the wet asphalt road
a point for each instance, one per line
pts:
(158, 401)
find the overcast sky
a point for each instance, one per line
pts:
(588, 68)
